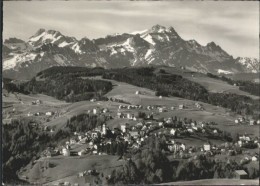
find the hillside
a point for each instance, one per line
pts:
(157, 45)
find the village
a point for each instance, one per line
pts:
(142, 123)
(129, 128)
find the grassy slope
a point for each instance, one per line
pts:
(66, 168)
(211, 84)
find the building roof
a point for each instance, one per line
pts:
(241, 172)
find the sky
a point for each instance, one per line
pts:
(232, 25)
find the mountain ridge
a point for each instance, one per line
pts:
(157, 45)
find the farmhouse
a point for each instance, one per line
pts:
(254, 158)
(124, 127)
(172, 132)
(65, 152)
(82, 152)
(93, 100)
(96, 111)
(241, 174)
(252, 122)
(137, 92)
(49, 113)
(206, 147)
(181, 107)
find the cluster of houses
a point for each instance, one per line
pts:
(243, 120)
(37, 102)
(48, 113)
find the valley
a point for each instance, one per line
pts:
(176, 128)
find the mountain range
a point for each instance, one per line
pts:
(155, 46)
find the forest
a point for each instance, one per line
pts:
(22, 143)
(63, 85)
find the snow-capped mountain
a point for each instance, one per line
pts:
(155, 46)
(251, 64)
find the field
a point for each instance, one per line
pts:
(59, 169)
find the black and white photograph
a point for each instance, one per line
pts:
(130, 92)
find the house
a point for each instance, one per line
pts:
(160, 97)
(241, 119)
(129, 116)
(139, 124)
(252, 122)
(38, 102)
(105, 110)
(95, 111)
(215, 131)
(134, 134)
(72, 141)
(95, 134)
(160, 124)
(124, 127)
(65, 152)
(172, 132)
(236, 121)
(119, 115)
(206, 147)
(93, 100)
(82, 152)
(181, 107)
(29, 114)
(254, 158)
(162, 109)
(183, 146)
(49, 113)
(137, 92)
(104, 129)
(241, 174)
(240, 143)
(95, 152)
(81, 174)
(169, 120)
(195, 128)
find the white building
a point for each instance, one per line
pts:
(95, 111)
(81, 153)
(206, 147)
(65, 152)
(254, 158)
(123, 127)
(104, 129)
(181, 107)
(49, 113)
(173, 131)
